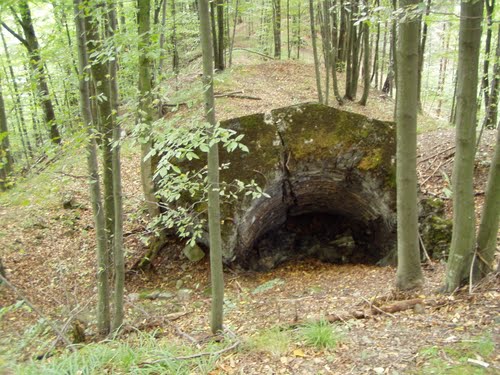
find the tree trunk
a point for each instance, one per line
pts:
(443, 65)
(217, 276)
(315, 51)
(215, 45)
(103, 308)
(145, 110)
(490, 7)
(326, 43)
(19, 107)
(277, 28)
(488, 229)
(30, 41)
(236, 15)
(463, 241)
(409, 273)
(491, 117)
(102, 85)
(374, 75)
(6, 161)
(366, 63)
(421, 54)
(288, 41)
(334, 54)
(220, 45)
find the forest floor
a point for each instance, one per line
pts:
(48, 253)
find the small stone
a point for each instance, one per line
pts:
(179, 284)
(133, 297)
(193, 252)
(184, 295)
(379, 370)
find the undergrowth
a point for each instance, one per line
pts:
(454, 359)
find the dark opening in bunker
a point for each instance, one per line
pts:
(327, 236)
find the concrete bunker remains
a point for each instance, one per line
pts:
(330, 178)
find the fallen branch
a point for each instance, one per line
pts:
(237, 95)
(374, 307)
(388, 309)
(436, 154)
(56, 330)
(255, 52)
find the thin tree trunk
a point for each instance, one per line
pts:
(325, 38)
(315, 51)
(18, 107)
(277, 28)
(409, 273)
(289, 44)
(103, 308)
(214, 33)
(118, 253)
(145, 110)
(30, 41)
(374, 75)
(463, 241)
(6, 160)
(234, 33)
(217, 276)
(334, 54)
(485, 82)
(220, 33)
(488, 228)
(491, 116)
(442, 70)
(366, 62)
(102, 85)
(421, 53)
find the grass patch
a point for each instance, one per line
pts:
(320, 334)
(129, 356)
(275, 341)
(452, 359)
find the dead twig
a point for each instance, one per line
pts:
(424, 249)
(436, 154)
(372, 306)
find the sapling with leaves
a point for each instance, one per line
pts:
(30, 41)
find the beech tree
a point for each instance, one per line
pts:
(216, 271)
(30, 41)
(463, 237)
(409, 273)
(103, 307)
(6, 161)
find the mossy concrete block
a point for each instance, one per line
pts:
(308, 158)
(193, 252)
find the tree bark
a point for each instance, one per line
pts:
(217, 276)
(315, 51)
(366, 62)
(488, 228)
(277, 28)
(463, 241)
(491, 116)
(409, 273)
(6, 160)
(421, 54)
(103, 307)
(220, 44)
